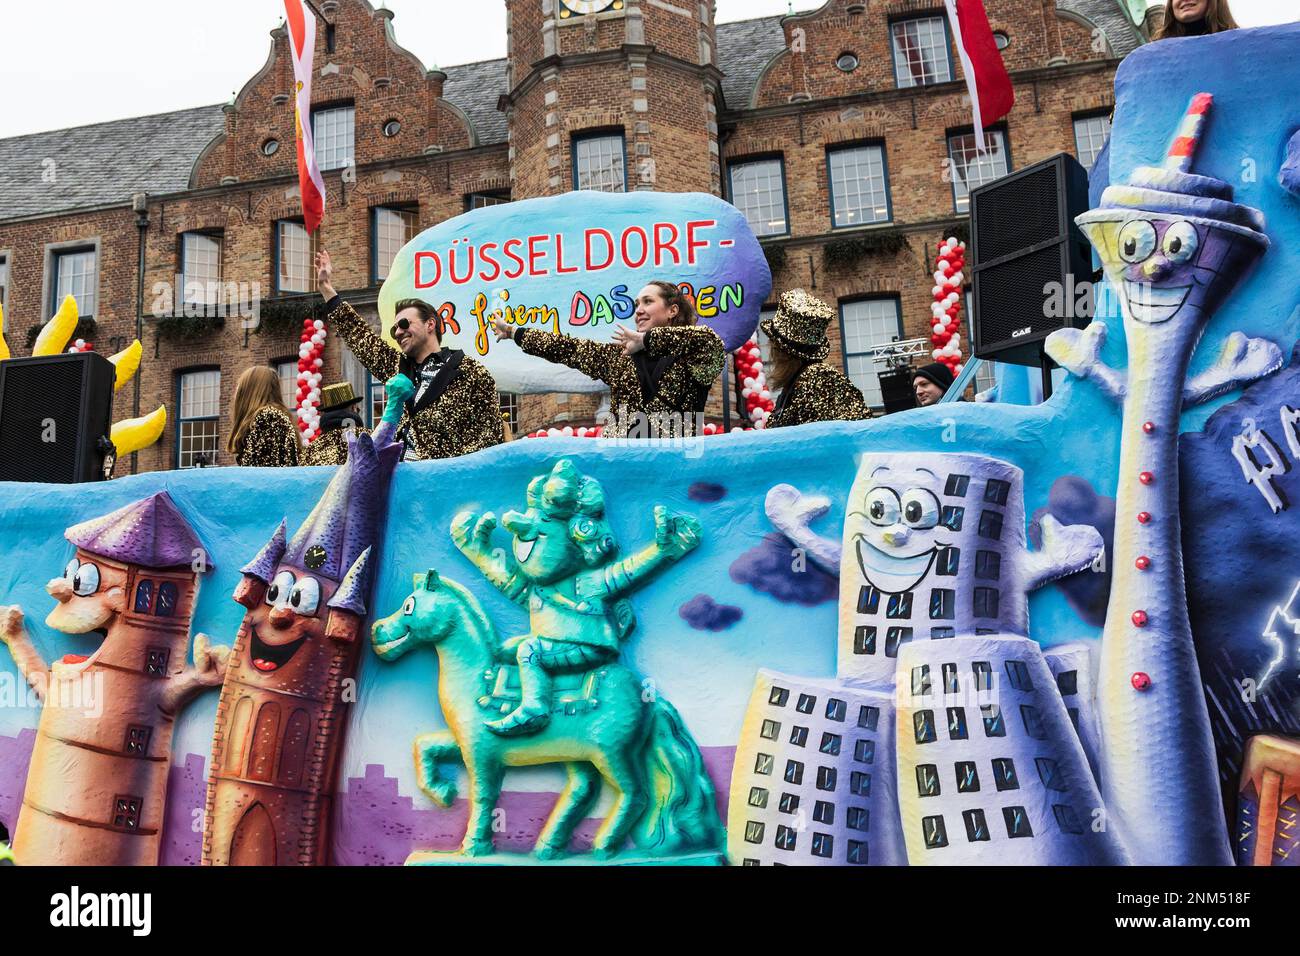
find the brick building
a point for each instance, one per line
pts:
(841, 133)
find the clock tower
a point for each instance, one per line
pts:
(613, 94)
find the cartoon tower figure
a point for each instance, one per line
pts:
(97, 783)
(283, 708)
(1268, 809)
(934, 596)
(1174, 245)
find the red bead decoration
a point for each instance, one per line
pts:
(1143, 563)
(1149, 427)
(1140, 618)
(1144, 517)
(1146, 477)
(1140, 680)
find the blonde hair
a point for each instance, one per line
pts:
(257, 388)
(785, 366)
(1217, 19)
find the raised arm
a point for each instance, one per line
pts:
(1242, 361)
(380, 359)
(30, 664)
(209, 670)
(676, 535)
(594, 359)
(698, 345)
(472, 536)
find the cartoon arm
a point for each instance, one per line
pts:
(1242, 360)
(472, 536)
(1079, 353)
(1066, 550)
(676, 535)
(209, 670)
(791, 513)
(30, 664)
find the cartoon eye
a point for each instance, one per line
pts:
(409, 606)
(70, 571)
(280, 587)
(1181, 242)
(920, 508)
(585, 527)
(882, 506)
(305, 596)
(86, 580)
(1137, 240)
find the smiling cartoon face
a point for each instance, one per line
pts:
(1168, 268)
(289, 620)
(91, 593)
(542, 545)
(899, 532)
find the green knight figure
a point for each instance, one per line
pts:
(562, 567)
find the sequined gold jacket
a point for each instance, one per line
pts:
(682, 391)
(272, 441)
(821, 393)
(329, 448)
(464, 419)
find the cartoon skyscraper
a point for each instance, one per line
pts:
(283, 708)
(813, 782)
(97, 784)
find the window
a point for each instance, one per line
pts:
(860, 783)
(1017, 822)
(333, 132)
(295, 251)
(858, 818)
(865, 325)
(143, 597)
(483, 200)
(758, 797)
(859, 186)
(868, 717)
(831, 744)
(824, 812)
(287, 371)
(971, 167)
(923, 726)
(921, 52)
(126, 812)
(599, 162)
(200, 268)
(927, 780)
(994, 725)
(936, 835)
(826, 777)
(778, 697)
(770, 729)
(968, 778)
(957, 723)
(1090, 135)
(835, 709)
(794, 771)
(390, 230)
(1067, 682)
(1001, 39)
(847, 62)
(986, 375)
(1050, 773)
(137, 739)
(806, 703)
(763, 764)
(200, 411)
(155, 661)
(4, 281)
(377, 399)
(1004, 774)
(75, 275)
(167, 597)
(508, 402)
(799, 736)
(1018, 673)
(977, 828)
(758, 191)
(753, 831)
(789, 803)
(822, 844)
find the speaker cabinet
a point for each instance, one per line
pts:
(1032, 265)
(54, 411)
(896, 388)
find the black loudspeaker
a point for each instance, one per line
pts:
(1032, 265)
(896, 389)
(55, 415)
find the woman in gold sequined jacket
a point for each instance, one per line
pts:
(264, 433)
(659, 375)
(811, 389)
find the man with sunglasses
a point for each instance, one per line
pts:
(454, 409)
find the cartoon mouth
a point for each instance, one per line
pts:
(523, 549)
(1154, 304)
(384, 648)
(269, 657)
(893, 572)
(73, 660)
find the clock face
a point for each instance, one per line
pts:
(578, 8)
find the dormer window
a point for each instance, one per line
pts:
(334, 133)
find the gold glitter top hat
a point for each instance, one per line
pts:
(800, 325)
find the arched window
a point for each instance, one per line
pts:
(143, 597)
(166, 600)
(266, 739)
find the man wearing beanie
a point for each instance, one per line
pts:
(931, 383)
(811, 390)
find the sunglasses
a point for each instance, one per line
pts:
(401, 325)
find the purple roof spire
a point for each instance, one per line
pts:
(262, 567)
(150, 533)
(347, 519)
(355, 586)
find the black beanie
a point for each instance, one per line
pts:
(937, 372)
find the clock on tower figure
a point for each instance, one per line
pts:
(580, 8)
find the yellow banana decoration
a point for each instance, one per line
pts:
(4, 346)
(127, 363)
(132, 434)
(54, 337)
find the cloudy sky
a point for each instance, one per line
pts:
(71, 62)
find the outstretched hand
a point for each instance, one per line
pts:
(630, 340)
(675, 534)
(325, 274)
(502, 329)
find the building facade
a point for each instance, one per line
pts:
(843, 135)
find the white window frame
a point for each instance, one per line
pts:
(198, 416)
(296, 236)
(750, 183)
(860, 192)
(859, 363)
(86, 280)
(973, 169)
(204, 268)
(391, 228)
(334, 134)
(600, 161)
(1095, 130)
(930, 35)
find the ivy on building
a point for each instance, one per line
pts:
(847, 250)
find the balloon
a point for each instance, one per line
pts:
(318, 325)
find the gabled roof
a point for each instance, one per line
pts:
(745, 48)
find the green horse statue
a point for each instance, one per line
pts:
(606, 724)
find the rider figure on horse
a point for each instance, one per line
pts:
(562, 568)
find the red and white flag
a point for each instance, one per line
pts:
(302, 45)
(987, 81)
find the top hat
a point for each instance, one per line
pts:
(800, 324)
(339, 395)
